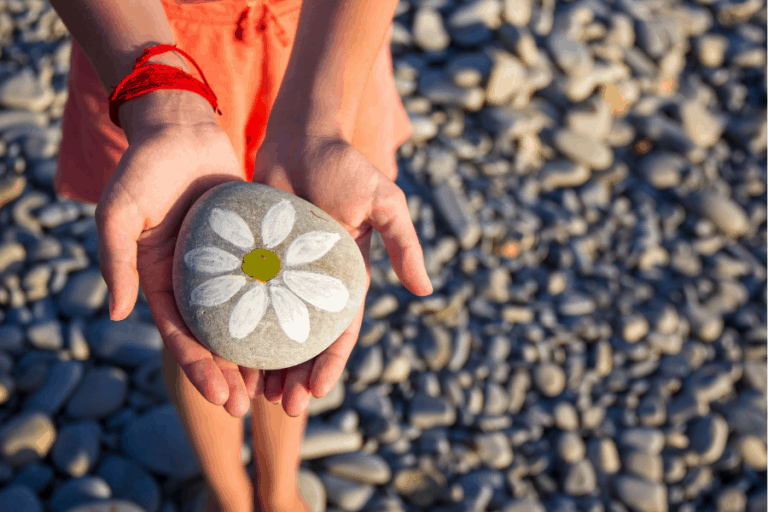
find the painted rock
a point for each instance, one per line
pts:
(264, 278)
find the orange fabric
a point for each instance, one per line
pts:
(243, 54)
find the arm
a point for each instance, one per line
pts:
(336, 44)
(113, 34)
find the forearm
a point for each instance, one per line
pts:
(113, 34)
(336, 44)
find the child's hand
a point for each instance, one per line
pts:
(336, 177)
(162, 173)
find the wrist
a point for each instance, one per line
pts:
(165, 106)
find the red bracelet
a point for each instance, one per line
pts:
(150, 77)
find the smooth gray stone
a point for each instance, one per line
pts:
(101, 393)
(63, 379)
(348, 495)
(27, 438)
(368, 364)
(79, 491)
(453, 206)
(58, 213)
(332, 400)
(641, 494)
(649, 440)
(84, 294)
(314, 277)
(37, 476)
(77, 448)
(157, 441)
(324, 440)
(434, 347)
(46, 335)
(494, 449)
(24, 91)
(580, 479)
(429, 412)
(126, 343)
(708, 435)
(130, 482)
(374, 401)
(312, 490)
(360, 467)
(20, 497)
(428, 30)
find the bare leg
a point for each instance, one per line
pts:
(216, 439)
(277, 445)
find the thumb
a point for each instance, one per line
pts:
(389, 216)
(119, 223)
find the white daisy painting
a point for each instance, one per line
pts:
(276, 281)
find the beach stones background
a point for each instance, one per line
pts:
(264, 278)
(590, 328)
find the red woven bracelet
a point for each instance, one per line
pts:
(150, 77)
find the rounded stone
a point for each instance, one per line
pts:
(263, 278)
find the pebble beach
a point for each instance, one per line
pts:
(588, 181)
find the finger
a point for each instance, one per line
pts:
(329, 365)
(238, 402)
(252, 378)
(119, 224)
(296, 393)
(274, 391)
(389, 216)
(194, 359)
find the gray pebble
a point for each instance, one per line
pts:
(570, 447)
(429, 412)
(640, 494)
(76, 449)
(604, 456)
(46, 335)
(26, 438)
(348, 495)
(549, 379)
(580, 479)
(79, 491)
(128, 481)
(62, 380)
(494, 449)
(101, 393)
(359, 467)
(323, 440)
(643, 465)
(708, 435)
(157, 441)
(648, 440)
(428, 30)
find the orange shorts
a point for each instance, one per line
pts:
(244, 63)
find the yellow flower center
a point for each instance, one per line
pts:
(261, 264)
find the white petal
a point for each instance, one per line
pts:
(277, 223)
(292, 314)
(309, 247)
(324, 292)
(248, 311)
(211, 260)
(217, 290)
(231, 227)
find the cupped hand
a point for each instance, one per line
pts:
(159, 177)
(333, 175)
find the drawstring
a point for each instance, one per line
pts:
(262, 26)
